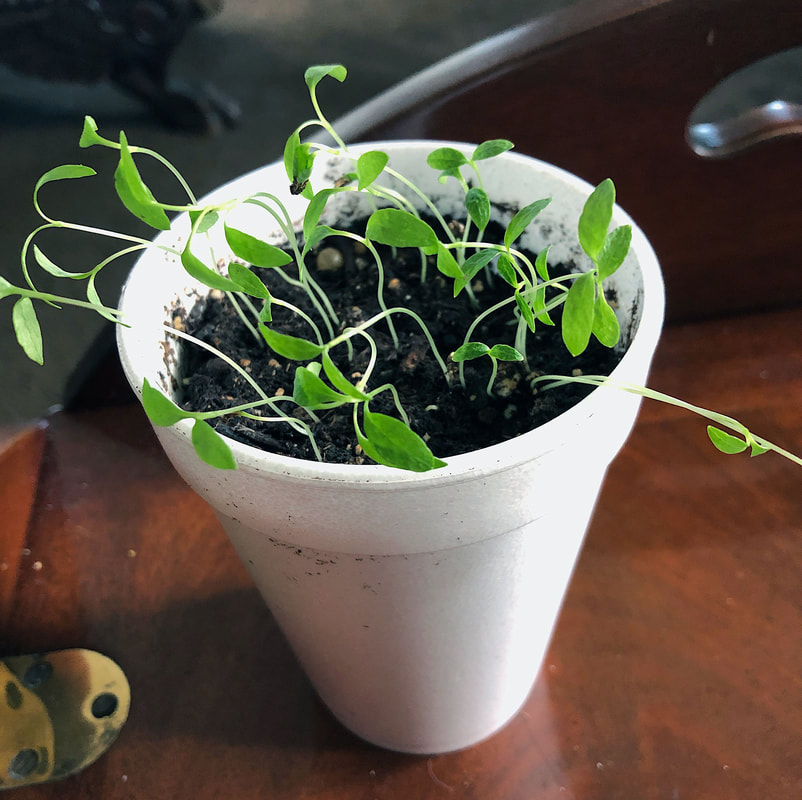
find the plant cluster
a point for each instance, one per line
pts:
(321, 382)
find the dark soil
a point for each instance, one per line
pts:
(452, 420)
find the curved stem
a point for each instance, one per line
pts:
(429, 204)
(162, 160)
(643, 391)
(349, 332)
(322, 121)
(307, 430)
(214, 351)
(472, 327)
(388, 387)
(243, 317)
(380, 279)
(67, 301)
(302, 314)
(269, 401)
(493, 373)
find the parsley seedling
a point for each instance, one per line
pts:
(459, 252)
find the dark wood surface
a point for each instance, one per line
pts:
(674, 670)
(605, 88)
(676, 667)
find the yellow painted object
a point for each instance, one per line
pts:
(59, 712)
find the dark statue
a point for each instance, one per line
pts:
(127, 42)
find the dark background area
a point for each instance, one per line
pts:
(253, 51)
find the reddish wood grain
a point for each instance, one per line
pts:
(674, 670)
(20, 456)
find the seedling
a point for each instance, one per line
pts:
(496, 353)
(321, 383)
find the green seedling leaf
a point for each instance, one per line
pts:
(526, 311)
(446, 158)
(491, 148)
(266, 314)
(160, 409)
(503, 352)
(725, 442)
(471, 266)
(90, 136)
(255, 251)
(133, 192)
(311, 392)
(520, 222)
(46, 264)
(541, 263)
(478, 205)
(292, 347)
(339, 381)
(595, 218)
(211, 447)
(315, 208)
(369, 166)
(207, 276)
(448, 173)
(579, 313)
(64, 172)
(756, 449)
(315, 74)
(390, 442)
(203, 221)
(290, 146)
(247, 281)
(27, 330)
(6, 288)
(93, 297)
(614, 250)
(316, 237)
(305, 160)
(446, 262)
(398, 228)
(298, 162)
(539, 306)
(506, 268)
(605, 323)
(469, 351)
(477, 261)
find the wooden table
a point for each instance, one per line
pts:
(675, 670)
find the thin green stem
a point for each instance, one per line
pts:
(371, 365)
(388, 387)
(307, 430)
(349, 332)
(520, 340)
(214, 351)
(248, 303)
(323, 122)
(272, 402)
(643, 391)
(67, 301)
(429, 204)
(162, 160)
(380, 279)
(472, 327)
(232, 296)
(302, 314)
(284, 398)
(493, 373)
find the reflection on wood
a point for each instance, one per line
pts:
(673, 670)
